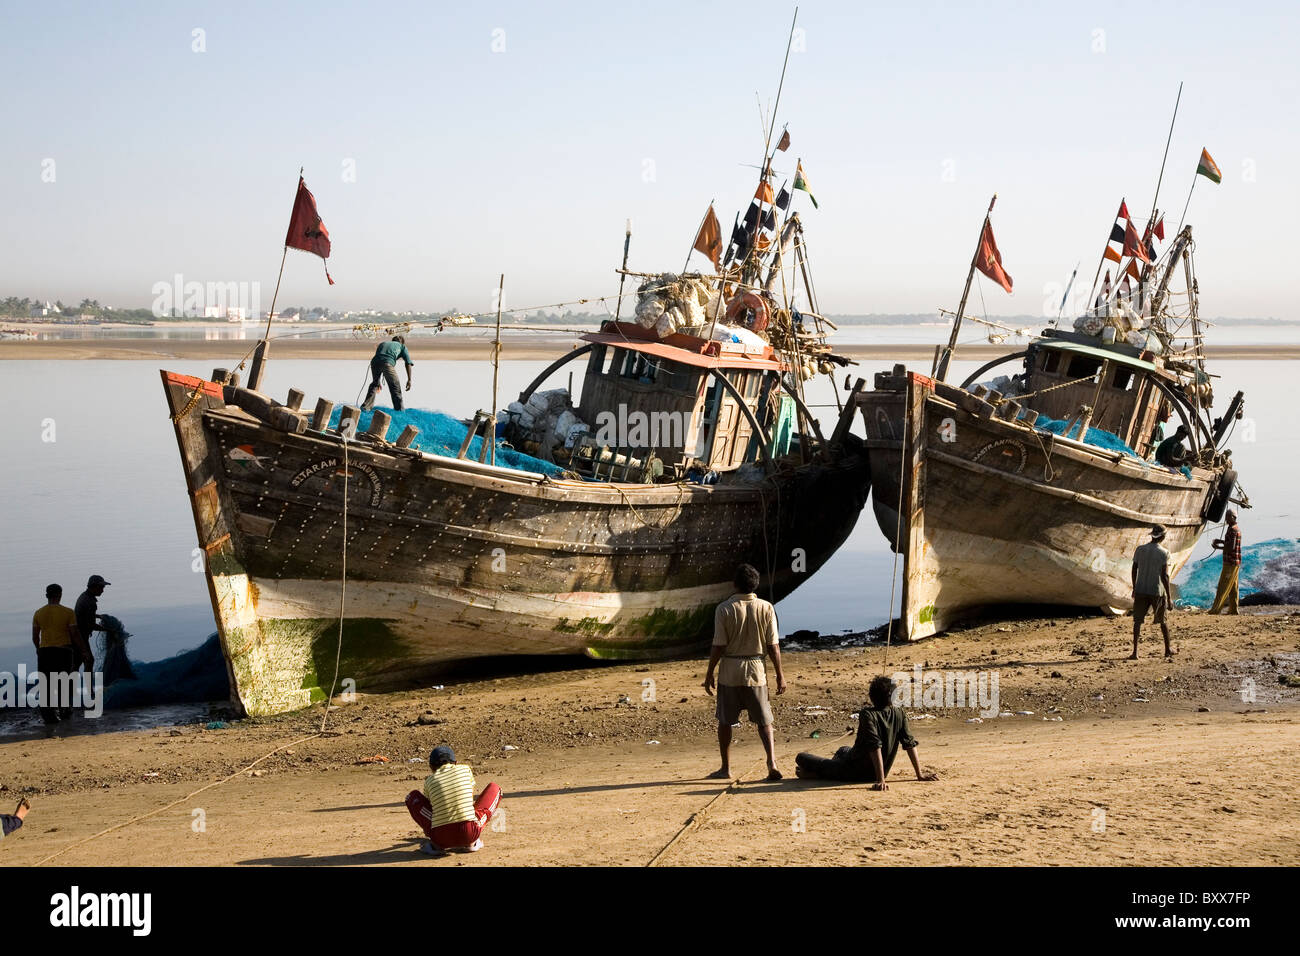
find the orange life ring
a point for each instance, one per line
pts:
(749, 300)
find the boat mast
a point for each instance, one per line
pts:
(1151, 222)
(627, 243)
(260, 352)
(941, 372)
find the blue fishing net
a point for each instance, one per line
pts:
(441, 434)
(197, 675)
(1270, 570)
(1095, 436)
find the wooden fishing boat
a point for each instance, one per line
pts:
(333, 534)
(988, 499)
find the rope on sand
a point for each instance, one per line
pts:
(696, 819)
(188, 796)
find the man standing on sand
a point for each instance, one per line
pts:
(744, 626)
(1151, 587)
(384, 365)
(87, 606)
(59, 649)
(447, 810)
(882, 729)
(1230, 545)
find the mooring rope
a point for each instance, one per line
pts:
(343, 576)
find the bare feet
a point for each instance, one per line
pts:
(773, 775)
(722, 774)
(1169, 653)
(1132, 657)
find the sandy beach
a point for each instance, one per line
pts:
(1153, 762)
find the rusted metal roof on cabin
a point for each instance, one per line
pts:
(725, 358)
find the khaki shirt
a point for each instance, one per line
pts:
(745, 626)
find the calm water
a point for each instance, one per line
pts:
(106, 495)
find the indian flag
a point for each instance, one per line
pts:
(800, 182)
(1208, 169)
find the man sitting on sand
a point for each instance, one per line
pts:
(744, 626)
(1151, 587)
(447, 811)
(882, 729)
(11, 822)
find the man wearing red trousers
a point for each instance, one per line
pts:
(447, 810)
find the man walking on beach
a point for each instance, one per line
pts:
(744, 626)
(384, 365)
(1151, 587)
(882, 729)
(1230, 545)
(59, 648)
(447, 810)
(87, 606)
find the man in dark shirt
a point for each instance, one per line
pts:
(1171, 452)
(384, 365)
(1230, 545)
(882, 729)
(87, 606)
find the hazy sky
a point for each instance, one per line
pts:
(518, 137)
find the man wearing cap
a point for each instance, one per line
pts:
(1230, 545)
(87, 606)
(59, 648)
(447, 810)
(1151, 587)
(744, 628)
(384, 365)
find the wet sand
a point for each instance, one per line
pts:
(1153, 762)
(522, 345)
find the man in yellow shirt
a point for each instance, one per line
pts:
(60, 648)
(447, 810)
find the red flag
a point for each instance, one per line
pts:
(785, 141)
(1132, 247)
(1132, 270)
(306, 231)
(1160, 229)
(989, 261)
(709, 239)
(1123, 210)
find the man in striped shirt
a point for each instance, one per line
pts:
(1230, 545)
(447, 810)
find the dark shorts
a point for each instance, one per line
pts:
(732, 700)
(1153, 602)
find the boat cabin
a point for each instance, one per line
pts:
(1121, 385)
(665, 407)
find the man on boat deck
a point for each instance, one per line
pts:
(1230, 545)
(1151, 587)
(384, 365)
(447, 810)
(1171, 452)
(882, 729)
(744, 626)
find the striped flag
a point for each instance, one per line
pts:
(1207, 168)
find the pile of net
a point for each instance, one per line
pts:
(194, 676)
(1270, 574)
(1129, 327)
(1095, 437)
(441, 434)
(669, 303)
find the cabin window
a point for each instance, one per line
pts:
(1052, 362)
(1083, 367)
(1123, 377)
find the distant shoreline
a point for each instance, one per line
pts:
(228, 352)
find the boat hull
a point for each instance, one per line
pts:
(448, 559)
(987, 511)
